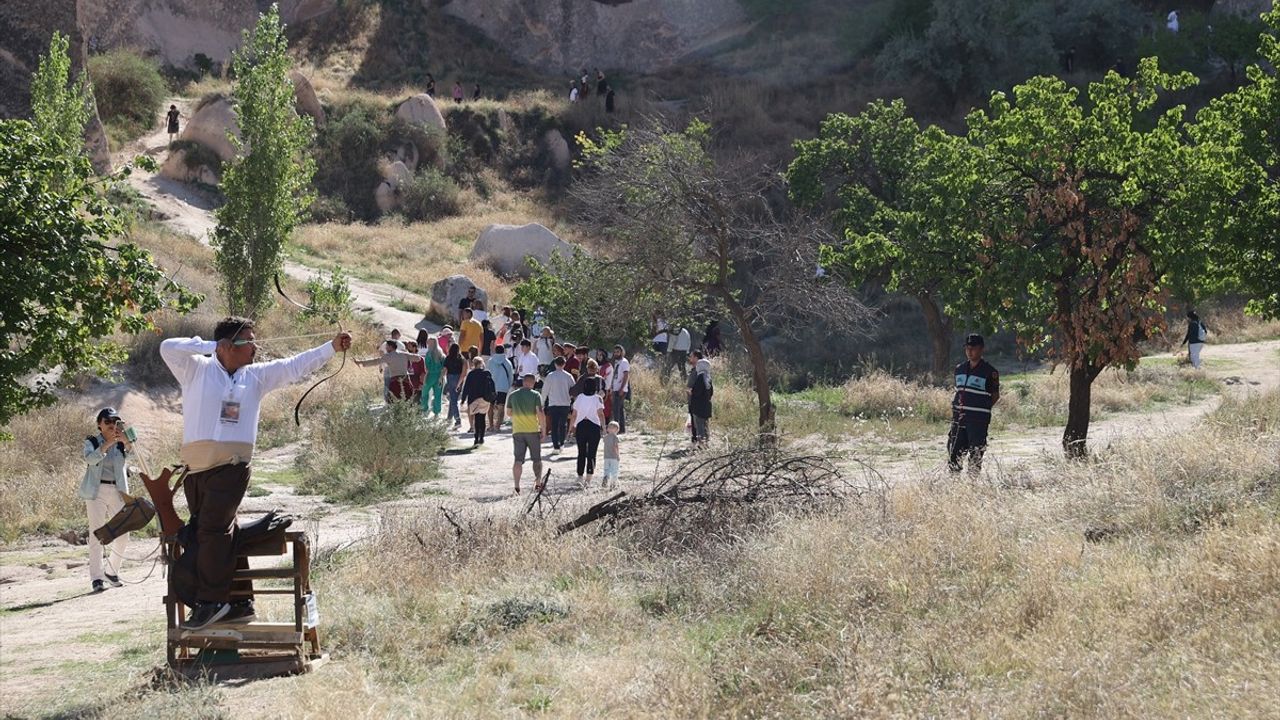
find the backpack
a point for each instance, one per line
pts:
(93, 440)
(1201, 332)
(490, 389)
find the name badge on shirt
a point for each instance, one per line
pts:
(230, 412)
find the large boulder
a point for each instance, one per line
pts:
(186, 166)
(557, 150)
(304, 98)
(506, 248)
(209, 127)
(447, 293)
(421, 110)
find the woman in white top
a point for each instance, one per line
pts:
(586, 422)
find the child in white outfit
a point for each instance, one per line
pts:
(611, 456)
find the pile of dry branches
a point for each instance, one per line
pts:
(708, 492)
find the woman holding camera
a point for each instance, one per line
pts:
(105, 478)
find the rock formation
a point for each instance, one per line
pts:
(447, 293)
(557, 149)
(422, 110)
(209, 126)
(506, 248)
(634, 35)
(304, 98)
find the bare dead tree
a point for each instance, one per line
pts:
(681, 221)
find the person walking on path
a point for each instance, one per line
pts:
(700, 392)
(417, 369)
(457, 92)
(528, 430)
(477, 394)
(171, 121)
(528, 362)
(544, 348)
(620, 387)
(612, 456)
(573, 92)
(678, 357)
(503, 377)
(221, 399)
(453, 367)
(445, 338)
(395, 371)
(105, 483)
(431, 86)
(433, 385)
(557, 389)
(470, 332)
(1197, 333)
(585, 423)
(977, 392)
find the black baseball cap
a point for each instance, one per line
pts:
(108, 413)
(974, 339)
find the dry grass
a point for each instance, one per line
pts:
(417, 255)
(1039, 399)
(957, 599)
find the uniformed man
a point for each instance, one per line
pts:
(977, 392)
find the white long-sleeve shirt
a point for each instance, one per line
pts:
(209, 392)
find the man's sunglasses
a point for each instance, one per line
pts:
(242, 343)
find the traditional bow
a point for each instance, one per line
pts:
(297, 421)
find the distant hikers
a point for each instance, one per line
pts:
(397, 383)
(171, 120)
(573, 92)
(609, 99)
(602, 85)
(612, 456)
(431, 86)
(454, 364)
(478, 392)
(528, 429)
(977, 392)
(1197, 333)
(475, 95)
(433, 385)
(586, 421)
(458, 93)
(700, 392)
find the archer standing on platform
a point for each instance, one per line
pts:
(977, 392)
(221, 398)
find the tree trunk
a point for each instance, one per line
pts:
(1076, 434)
(759, 371)
(940, 329)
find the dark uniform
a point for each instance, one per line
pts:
(977, 389)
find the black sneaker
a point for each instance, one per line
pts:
(98, 586)
(240, 612)
(205, 615)
(114, 580)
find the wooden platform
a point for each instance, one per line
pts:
(230, 650)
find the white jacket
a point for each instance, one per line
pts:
(206, 385)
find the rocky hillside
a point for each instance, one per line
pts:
(631, 35)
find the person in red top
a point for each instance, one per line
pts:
(417, 369)
(572, 364)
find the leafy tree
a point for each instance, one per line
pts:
(65, 280)
(682, 223)
(329, 295)
(60, 108)
(878, 175)
(1242, 124)
(1082, 209)
(267, 185)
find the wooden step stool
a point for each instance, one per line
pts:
(257, 649)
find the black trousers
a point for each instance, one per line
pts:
(966, 438)
(477, 423)
(559, 417)
(213, 497)
(588, 436)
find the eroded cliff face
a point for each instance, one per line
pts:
(632, 35)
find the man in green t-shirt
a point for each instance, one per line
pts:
(528, 429)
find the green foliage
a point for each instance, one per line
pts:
(429, 195)
(60, 109)
(196, 155)
(970, 46)
(268, 187)
(363, 453)
(330, 295)
(581, 296)
(129, 91)
(67, 283)
(1245, 232)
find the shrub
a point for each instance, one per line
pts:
(129, 91)
(330, 295)
(196, 155)
(429, 196)
(363, 453)
(330, 209)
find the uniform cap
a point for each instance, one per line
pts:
(974, 339)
